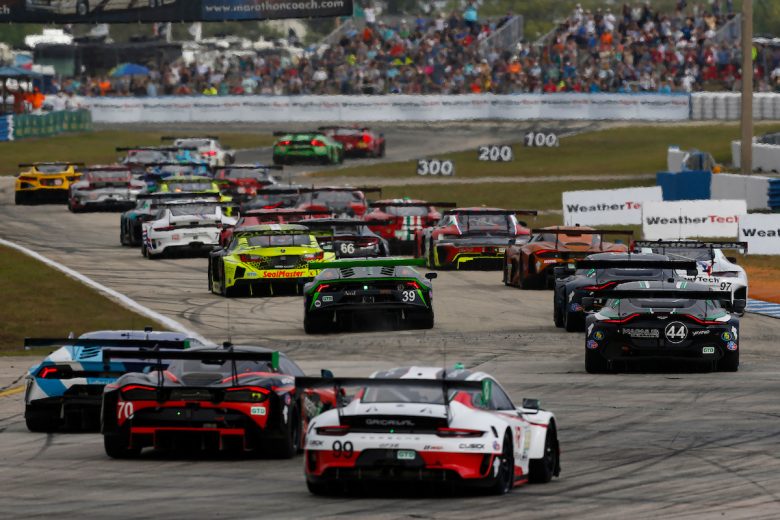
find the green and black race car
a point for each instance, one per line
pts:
(292, 147)
(356, 292)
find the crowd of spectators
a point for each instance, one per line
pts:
(630, 49)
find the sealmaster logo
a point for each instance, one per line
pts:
(388, 422)
(581, 208)
(283, 274)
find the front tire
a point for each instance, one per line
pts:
(541, 471)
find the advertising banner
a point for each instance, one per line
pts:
(692, 218)
(45, 125)
(607, 207)
(761, 232)
(282, 109)
(135, 11)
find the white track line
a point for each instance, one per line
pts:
(116, 296)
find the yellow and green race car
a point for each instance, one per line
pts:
(45, 182)
(266, 259)
(200, 185)
(296, 147)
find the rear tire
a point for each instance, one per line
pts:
(116, 447)
(317, 323)
(321, 488)
(573, 321)
(21, 198)
(421, 319)
(541, 471)
(287, 447)
(40, 419)
(595, 362)
(505, 480)
(729, 362)
(558, 314)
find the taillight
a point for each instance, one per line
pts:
(366, 138)
(285, 143)
(251, 258)
(459, 432)
(335, 431)
(246, 394)
(600, 287)
(210, 153)
(311, 257)
(322, 287)
(547, 253)
(701, 321)
(623, 320)
(55, 372)
(413, 285)
(139, 393)
(27, 179)
(165, 228)
(317, 143)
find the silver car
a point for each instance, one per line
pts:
(111, 188)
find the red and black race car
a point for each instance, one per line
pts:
(276, 196)
(242, 181)
(472, 237)
(357, 141)
(238, 399)
(338, 201)
(257, 217)
(398, 220)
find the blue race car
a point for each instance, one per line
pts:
(65, 389)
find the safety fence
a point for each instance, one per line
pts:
(44, 125)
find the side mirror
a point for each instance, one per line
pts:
(732, 259)
(532, 404)
(326, 374)
(431, 276)
(587, 303)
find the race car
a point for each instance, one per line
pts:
(156, 173)
(347, 238)
(139, 157)
(400, 219)
(45, 182)
(715, 269)
(242, 181)
(104, 188)
(642, 321)
(348, 292)
(184, 227)
(315, 146)
(428, 426)
(208, 148)
(274, 197)
(340, 201)
(265, 259)
(147, 207)
(236, 398)
(65, 389)
(471, 237)
(531, 265)
(257, 217)
(357, 142)
(601, 272)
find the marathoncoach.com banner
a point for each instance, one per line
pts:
(127, 11)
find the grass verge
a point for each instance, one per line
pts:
(39, 301)
(99, 147)
(615, 151)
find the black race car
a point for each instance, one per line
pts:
(601, 272)
(231, 398)
(347, 237)
(348, 292)
(641, 321)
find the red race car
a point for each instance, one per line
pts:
(358, 142)
(242, 181)
(339, 202)
(401, 219)
(472, 237)
(257, 217)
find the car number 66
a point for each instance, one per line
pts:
(409, 296)
(348, 248)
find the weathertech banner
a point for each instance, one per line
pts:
(761, 232)
(674, 220)
(607, 207)
(127, 11)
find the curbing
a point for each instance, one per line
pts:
(116, 296)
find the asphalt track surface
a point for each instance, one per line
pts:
(671, 444)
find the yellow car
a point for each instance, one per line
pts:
(266, 259)
(45, 182)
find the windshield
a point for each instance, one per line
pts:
(406, 211)
(189, 186)
(51, 168)
(259, 174)
(108, 176)
(147, 156)
(700, 255)
(682, 306)
(279, 240)
(193, 143)
(193, 209)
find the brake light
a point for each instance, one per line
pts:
(27, 179)
(317, 143)
(547, 253)
(165, 228)
(322, 287)
(251, 258)
(139, 393)
(246, 394)
(335, 431)
(413, 285)
(366, 138)
(48, 373)
(623, 320)
(210, 153)
(600, 287)
(459, 432)
(314, 256)
(285, 143)
(701, 321)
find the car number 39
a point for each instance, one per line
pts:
(409, 296)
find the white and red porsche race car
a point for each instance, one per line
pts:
(422, 424)
(188, 227)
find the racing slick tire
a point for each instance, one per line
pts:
(557, 315)
(116, 447)
(287, 447)
(729, 362)
(317, 324)
(573, 321)
(41, 419)
(595, 362)
(543, 470)
(321, 488)
(21, 198)
(123, 238)
(504, 481)
(381, 151)
(278, 160)
(420, 319)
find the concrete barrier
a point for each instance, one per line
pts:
(753, 189)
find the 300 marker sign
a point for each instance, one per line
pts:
(435, 167)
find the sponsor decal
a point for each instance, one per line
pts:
(314, 443)
(598, 335)
(257, 410)
(389, 445)
(430, 447)
(251, 274)
(676, 332)
(642, 333)
(389, 422)
(708, 350)
(496, 446)
(734, 332)
(732, 345)
(576, 307)
(327, 299)
(726, 336)
(406, 455)
(318, 304)
(295, 273)
(700, 332)
(592, 344)
(464, 446)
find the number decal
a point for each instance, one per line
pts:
(337, 449)
(125, 410)
(347, 248)
(725, 286)
(435, 167)
(348, 450)
(676, 332)
(496, 153)
(409, 296)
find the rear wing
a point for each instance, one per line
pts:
(52, 163)
(340, 222)
(677, 265)
(664, 294)
(532, 212)
(155, 148)
(150, 344)
(199, 197)
(375, 262)
(279, 191)
(422, 204)
(334, 127)
(578, 232)
(690, 244)
(195, 355)
(252, 167)
(173, 137)
(364, 189)
(272, 212)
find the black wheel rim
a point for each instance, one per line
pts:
(506, 472)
